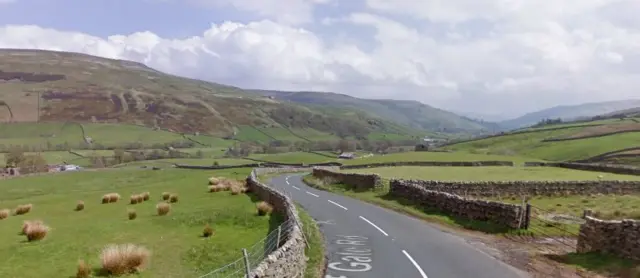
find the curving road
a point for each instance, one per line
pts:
(364, 240)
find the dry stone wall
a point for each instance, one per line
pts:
(621, 237)
(607, 168)
(529, 188)
(508, 215)
(357, 181)
(431, 163)
(289, 260)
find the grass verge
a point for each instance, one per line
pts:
(600, 263)
(315, 249)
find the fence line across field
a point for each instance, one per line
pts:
(249, 258)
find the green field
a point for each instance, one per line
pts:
(178, 250)
(186, 161)
(531, 145)
(433, 156)
(38, 135)
(293, 157)
(494, 173)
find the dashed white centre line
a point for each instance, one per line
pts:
(415, 264)
(337, 204)
(312, 194)
(374, 225)
(287, 181)
(295, 187)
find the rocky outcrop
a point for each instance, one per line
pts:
(357, 181)
(508, 215)
(529, 188)
(289, 260)
(431, 163)
(619, 237)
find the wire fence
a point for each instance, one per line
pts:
(252, 256)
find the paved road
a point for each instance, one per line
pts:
(364, 240)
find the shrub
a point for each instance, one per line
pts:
(173, 198)
(114, 197)
(132, 214)
(36, 231)
(208, 231)
(23, 209)
(163, 208)
(165, 196)
(80, 206)
(4, 213)
(83, 270)
(124, 259)
(145, 196)
(264, 208)
(133, 199)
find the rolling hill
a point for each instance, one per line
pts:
(569, 112)
(48, 86)
(409, 113)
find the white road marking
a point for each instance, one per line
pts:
(287, 181)
(374, 225)
(415, 264)
(312, 194)
(295, 187)
(337, 204)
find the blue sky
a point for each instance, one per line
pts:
(487, 57)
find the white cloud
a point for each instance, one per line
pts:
(527, 55)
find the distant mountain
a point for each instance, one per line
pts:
(570, 112)
(409, 113)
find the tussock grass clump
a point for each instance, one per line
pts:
(23, 209)
(80, 206)
(36, 231)
(27, 223)
(166, 195)
(134, 199)
(173, 198)
(84, 270)
(214, 181)
(208, 231)
(163, 208)
(132, 214)
(145, 196)
(264, 208)
(124, 259)
(4, 213)
(114, 197)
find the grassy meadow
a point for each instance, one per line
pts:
(174, 240)
(493, 173)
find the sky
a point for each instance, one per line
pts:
(497, 58)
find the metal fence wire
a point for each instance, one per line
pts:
(252, 256)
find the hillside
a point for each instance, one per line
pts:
(569, 112)
(51, 86)
(592, 141)
(409, 113)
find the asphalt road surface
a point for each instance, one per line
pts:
(364, 240)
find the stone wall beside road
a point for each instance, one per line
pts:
(619, 237)
(508, 215)
(357, 181)
(529, 188)
(289, 260)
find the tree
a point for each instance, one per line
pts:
(33, 164)
(14, 157)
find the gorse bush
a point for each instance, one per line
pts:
(124, 259)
